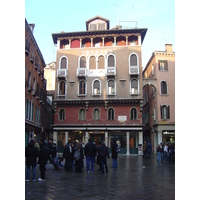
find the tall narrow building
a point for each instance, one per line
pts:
(98, 88)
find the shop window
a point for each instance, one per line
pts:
(82, 114)
(61, 114)
(96, 114)
(111, 114)
(133, 114)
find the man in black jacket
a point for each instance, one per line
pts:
(103, 151)
(31, 153)
(90, 152)
(67, 154)
(43, 157)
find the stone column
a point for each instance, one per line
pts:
(106, 138)
(80, 43)
(55, 137)
(126, 40)
(66, 137)
(91, 42)
(86, 137)
(127, 143)
(114, 41)
(103, 41)
(70, 43)
(159, 137)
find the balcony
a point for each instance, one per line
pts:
(111, 71)
(81, 72)
(134, 70)
(61, 73)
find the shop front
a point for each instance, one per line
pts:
(128, 139)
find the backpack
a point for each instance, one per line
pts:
(117, 148)
(77, 155)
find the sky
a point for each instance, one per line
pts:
(54, 16)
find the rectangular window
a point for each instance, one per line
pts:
(162, 64)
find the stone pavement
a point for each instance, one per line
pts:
(135, 178)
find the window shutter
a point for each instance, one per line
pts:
(166, 65)
(134, 84)
(63, 63)
(158, 64)
(96, 84)
(161, 112)
(83, 62)
(133, 60)
(161, 84)
(168, 112)
(111, 61)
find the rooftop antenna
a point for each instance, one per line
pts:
(118, 12)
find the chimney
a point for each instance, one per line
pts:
(168, 47)
(32, 27)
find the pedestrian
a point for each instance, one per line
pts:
(159, 149)
(31, 154)
(145, 150)
(165, 152)
(78, 157)
(98, 156)
(55, 159)
(114, 147)
(50, 146)
(43, 157)
(67, 154)
(90, 152)
(103, 155)
(148, 150)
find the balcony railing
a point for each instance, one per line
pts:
(111, 71)
(61, 73)
(81, 72)
(134, 70)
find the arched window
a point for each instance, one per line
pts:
(163, 86)
(134, 86)
(133, 60)
(62, 88)
(111, 61)
(96, 114)
(83, 62)
(92, 64)
(133, 114)
(111, 87)
(61, 114)
(82, 88)
(111, 114)
(96, 87)
(63, 63)
(82, 114)
(101, 63)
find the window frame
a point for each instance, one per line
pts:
(96, 118)
(64, 88)
(61, 114)
(82, 114)
(133, 115)
(162, 89)
(113, 89)
(60, 62)
(165, 112)
(134, 93)
(84, 93)
(93, 88)
(111, 116)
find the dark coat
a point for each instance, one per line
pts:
(113, 149)
(66, 152)
(103, 151)
(90, 149)
(43, 154)
(31, 153)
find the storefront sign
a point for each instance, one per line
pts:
(122, 118)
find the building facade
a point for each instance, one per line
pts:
(159, 97)
(37, 124)
(98, 87)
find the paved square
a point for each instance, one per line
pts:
(135, 178)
